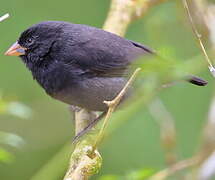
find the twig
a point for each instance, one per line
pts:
(207, 169)
(112, 105)
(2, 18)
(167, 128)
(175, 168)
(207, 151)
(209, 132)
(206, 154)
(198, 35)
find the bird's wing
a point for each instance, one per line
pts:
(105, 57)
(143, 47)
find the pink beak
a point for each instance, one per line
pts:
(15, 50)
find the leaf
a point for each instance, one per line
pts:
(2, 18)
(167, 53)
(11, 139)
(5, 156)
(141, 174)
(19, 110)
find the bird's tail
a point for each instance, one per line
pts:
(197, 81)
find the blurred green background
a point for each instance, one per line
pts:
(133, 145)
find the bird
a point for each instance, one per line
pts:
(78, 64)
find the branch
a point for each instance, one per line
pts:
(205, 157)
(167, 128)
(207, 169)
(112, 105)
(82, 166)
(2, 18)
(206, 154)
(207, 151)
(123, 12)
(175, 168)
(198, 36)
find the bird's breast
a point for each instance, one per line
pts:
(91, 93)
(55, 76)
(76, 88)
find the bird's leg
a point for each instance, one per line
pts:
(74, 108)
(89, 127)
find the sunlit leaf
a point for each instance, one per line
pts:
(14, 108)
(3, 106)
(167, 53)
(11, 139)
(140, 175)
(19, 110)
(5, 156)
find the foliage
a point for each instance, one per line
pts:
(16, 109)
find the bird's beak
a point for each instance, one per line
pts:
(15, 50)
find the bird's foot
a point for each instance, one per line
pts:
(74, 108)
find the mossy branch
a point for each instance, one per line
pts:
(82, 166)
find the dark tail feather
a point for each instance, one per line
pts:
(197, 81)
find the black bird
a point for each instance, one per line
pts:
(78, 64)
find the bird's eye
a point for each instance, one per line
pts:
(29, 40)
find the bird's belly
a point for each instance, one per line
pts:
(91, 93)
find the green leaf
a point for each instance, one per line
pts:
(18, 109)
(11, 139)
(14, 108)
(140, 175)
(5, 156)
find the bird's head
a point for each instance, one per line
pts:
(36, 42)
